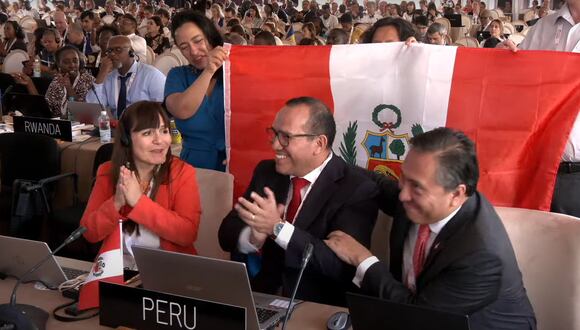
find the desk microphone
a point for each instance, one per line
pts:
(305, 259)
(3, 99)
(28, 316)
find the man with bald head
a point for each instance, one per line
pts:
(122, 80)
(61, 24)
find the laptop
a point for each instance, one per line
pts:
(86, 113)
(208, 279)
(374, 313)
(455, 20)
(28, 105)
(19, 255)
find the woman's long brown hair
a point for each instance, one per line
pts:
(139, 116)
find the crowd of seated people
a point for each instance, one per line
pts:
(112, 65)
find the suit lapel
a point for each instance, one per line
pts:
(465, 214)
(399, 234)
(320, 192)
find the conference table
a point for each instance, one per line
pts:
(307, 315)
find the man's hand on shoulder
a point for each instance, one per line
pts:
(347, 248)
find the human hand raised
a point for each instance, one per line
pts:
(215, 59)
(130, 186)
(262, 214)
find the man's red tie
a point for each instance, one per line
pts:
(297, 185)
(420, 249)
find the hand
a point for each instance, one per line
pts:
(130, 186)
(105, 68)
(508, 44)
(27, 68)
(257, 239)
(22, 78)
(347, 248)
(216, 58)
(262, 214)
(410, 41)
(119, 198)
(64, 80)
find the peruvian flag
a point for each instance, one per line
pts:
(108, 266)
(519, 108)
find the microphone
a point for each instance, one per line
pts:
(306, 255)
(3, 99)
(28, 316)
(97, 97)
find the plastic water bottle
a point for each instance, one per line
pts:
(36, 68)
(104, 127)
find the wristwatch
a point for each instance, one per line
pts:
(277, 229)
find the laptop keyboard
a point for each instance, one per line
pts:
(264, 314)
(72, 273)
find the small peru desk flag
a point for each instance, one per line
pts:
(108, 266)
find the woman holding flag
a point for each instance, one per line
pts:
(194, 93)
(152, 193)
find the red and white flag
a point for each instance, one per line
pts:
(108, 266)
(519, 107)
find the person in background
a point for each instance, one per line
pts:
(89, 29)
(122, 80)
(436, 34)
(217, 16)
(329, 21)
(410, 11)
(153, 193)
(13, 39)
(51, 42)
(264, 38)
(337, 37)
(104, 33)
(252, 19)
(128, 27)
(70, 82)
(371, 16)
(165, 20)
(76, 36)
(496, 31)
(422, 24)
(194, 93)
(61, 24)
(390, 29)
(432, 12)
(155, 37)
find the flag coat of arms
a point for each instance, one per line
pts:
(519, 108)
(108, 266)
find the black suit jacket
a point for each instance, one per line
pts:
(471, 268)
(342, 198)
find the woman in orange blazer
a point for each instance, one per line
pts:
(152, 192)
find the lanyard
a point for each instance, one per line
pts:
(7, 47)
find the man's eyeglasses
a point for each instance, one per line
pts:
(283, 137)
(116, 50)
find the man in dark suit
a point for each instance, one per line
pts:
(448, 247)
(301, 196)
